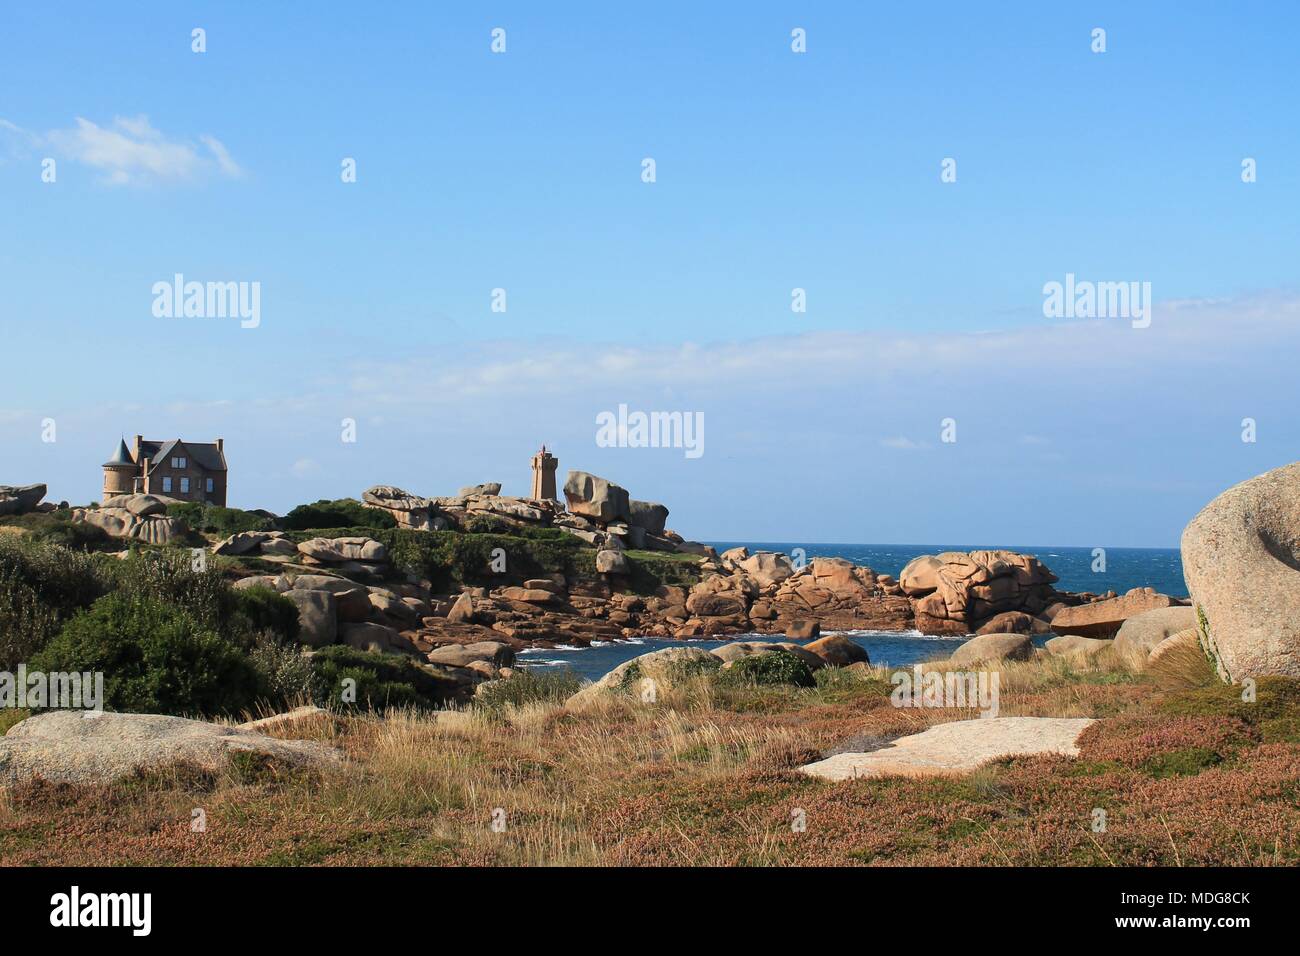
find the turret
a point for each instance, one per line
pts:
(119, 473)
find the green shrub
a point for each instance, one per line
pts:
(213, 519)
(455, 558)
(1185, 762)
(26, 623)
(343, 513)
(262, 609)
(288, 675)
(382, 680)
(41, 586)
(169, 577)
(155, 657)
(529, 685)
(772, 667)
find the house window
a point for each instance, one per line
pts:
(167, 485)
(209, 486)
(178, 462)
(185, 486)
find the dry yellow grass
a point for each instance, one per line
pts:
(706, 777)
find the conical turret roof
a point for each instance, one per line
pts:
(123, 456)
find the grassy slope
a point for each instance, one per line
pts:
(1186, 776)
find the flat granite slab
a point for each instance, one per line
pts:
(957, 747)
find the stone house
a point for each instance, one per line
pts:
(187, 471)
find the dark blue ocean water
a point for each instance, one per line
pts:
(1125, 568)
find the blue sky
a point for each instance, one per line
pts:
(775, 170)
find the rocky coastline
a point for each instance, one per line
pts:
(350, 590)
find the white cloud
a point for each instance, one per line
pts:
(305, 468)
(902, 443)
(131, 150)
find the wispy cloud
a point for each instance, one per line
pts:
(129, 150)
(903, 443)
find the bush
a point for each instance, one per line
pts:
(41, 586)
(382, 680)
(772, 667)
(288, 675)
(213, 519)
(529, 685)
(261, 609)
(454, 558)
(343, 513)
(155, 658)
(170, 578)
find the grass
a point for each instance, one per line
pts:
(1188, 775)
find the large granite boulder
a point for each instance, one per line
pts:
(487, 488)
(650, 675)
(766, 567)
(738, 651)
(957, 747)
(1104, 618)
(343, 550)
(249, 542)
(595, 497)
(1140, 634)
(496, 653)
(317, 616)
(121, 523)
(71, 746)
(142, 505)
(956, 592)
(611, 561)
(1241, 561)
(649, 515)
(993, 647)
(20, 499)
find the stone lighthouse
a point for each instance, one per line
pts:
(544, 465)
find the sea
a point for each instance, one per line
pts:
(1079, 569)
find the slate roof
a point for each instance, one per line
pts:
(122, 457)
(207, 454)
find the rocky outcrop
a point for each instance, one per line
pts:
(957, 593)
(488, 488)
(1139, 635)
(957, 747)
(597, 498)
(836, 593)
(1104, 618)
(409, 511)
(20, 499)
(66, 746)
(1241, 561)
(600, 513)
(149, 528)
(274, 545)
